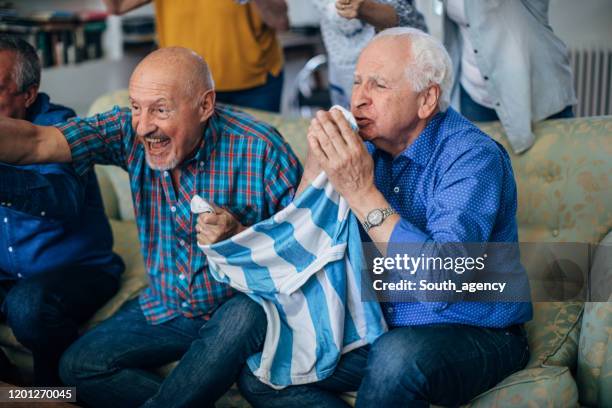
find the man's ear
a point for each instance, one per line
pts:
(428, 101)
(207, 105)
(30, 95)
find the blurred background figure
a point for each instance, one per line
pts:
(236, 37)
(348, 25)
(508, 64)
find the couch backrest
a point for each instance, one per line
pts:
(563, 180)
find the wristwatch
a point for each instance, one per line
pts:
(376, 217)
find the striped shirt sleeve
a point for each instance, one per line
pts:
(98, 139)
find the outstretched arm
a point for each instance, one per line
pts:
(23, 143)
(119, 7)
(273, 13)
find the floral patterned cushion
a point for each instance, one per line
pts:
(532, 387)
(553, 334)
(564, 180)
(594, 375)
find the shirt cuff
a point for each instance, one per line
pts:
(78, 150)
(405, 232)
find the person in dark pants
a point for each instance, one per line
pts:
(56, 261)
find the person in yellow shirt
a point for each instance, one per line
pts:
(236, 37)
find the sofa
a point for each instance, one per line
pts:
(564, 197)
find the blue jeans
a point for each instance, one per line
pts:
(475, 112)
(264, 97)
(347, 377)
(45, 312)
(111, 365)
(409, 367)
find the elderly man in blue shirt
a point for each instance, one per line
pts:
(56, 261)
(425, 176)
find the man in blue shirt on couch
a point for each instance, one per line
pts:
(56, 261)
(425, 177)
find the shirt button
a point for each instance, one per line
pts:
(184, 305)
(475, 51)
(182, 277)
(396, 189)
(486, 78)
(555, 232)
(10, 249)
(5, 219)
(42, 213)
(173, 209)
(19, 275)
(182, 242)
(390, 310)
(166, 173)
(201, 164)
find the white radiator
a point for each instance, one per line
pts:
(592, 80)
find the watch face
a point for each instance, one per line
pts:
(375, 217)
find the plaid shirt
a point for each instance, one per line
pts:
(242, 165)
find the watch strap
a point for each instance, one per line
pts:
(386, 213)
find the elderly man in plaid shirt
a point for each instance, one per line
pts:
(175, 143)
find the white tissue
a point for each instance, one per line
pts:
(348, 115)
(199, 205)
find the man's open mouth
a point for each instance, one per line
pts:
(157, 144)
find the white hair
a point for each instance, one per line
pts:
(429, 64)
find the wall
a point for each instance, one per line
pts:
(578, 23)
(582, 24)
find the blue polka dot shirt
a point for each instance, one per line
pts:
(452, 184)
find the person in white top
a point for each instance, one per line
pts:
(348, 25)
(509, 65)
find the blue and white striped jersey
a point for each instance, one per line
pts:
(303, 266)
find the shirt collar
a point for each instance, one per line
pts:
(424, 145)
(209, 139)
(39, 107)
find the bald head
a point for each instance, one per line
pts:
(172, 97)
(177, 67)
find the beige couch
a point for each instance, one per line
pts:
(564, 196)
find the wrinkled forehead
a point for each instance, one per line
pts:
(384, 58)
(149, 84)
